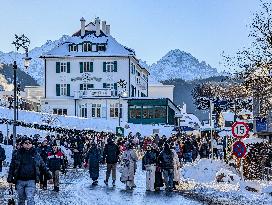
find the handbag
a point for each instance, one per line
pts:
(11, 201)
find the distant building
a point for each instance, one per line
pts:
(159, 90)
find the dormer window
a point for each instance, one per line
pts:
(72, 47)
(101, 47)
(87, 47)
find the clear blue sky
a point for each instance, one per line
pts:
(205, 28)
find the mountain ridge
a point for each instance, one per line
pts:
(174, 64)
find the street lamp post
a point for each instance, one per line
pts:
(122, 84)
(20, 42)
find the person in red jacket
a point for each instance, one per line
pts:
(55, 164)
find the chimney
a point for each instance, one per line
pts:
(107, 29)
(104, 26)
(82, 30)
(97, 26)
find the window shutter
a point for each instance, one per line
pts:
(81, 67)
(81, 87)
(115, 86)
(68, 89)
(91, 66)
(57, 67)
(57, 89)
(104, 85)
(115, 66)
(104, 66)
(68, 67)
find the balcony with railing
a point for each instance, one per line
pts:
(92, 93)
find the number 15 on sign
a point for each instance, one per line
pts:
(240, 130)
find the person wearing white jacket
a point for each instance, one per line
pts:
(177, 166)
(128, 161)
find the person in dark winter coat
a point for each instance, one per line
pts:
(166, 160)
(195, 149)
(1, 137)
(204, 149)
(2, 157)
(149, 164)
(77, 157)
(93, 158)
(24, 171)
(158, 172)
(111, 156)
(43, 150)
(55, 164)
(188, 150)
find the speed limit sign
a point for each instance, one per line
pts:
(240, 130)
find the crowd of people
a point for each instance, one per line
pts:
(34, 161)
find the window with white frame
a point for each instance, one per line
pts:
(101, 47)
(60, 111)
(110, 67)
(96, 110)
(73, 47)
(114, 110)
(63, 67)
(87, 66)
(83, 110)
(86, 86)
(63, 89)
(133, 68)
(86, 47)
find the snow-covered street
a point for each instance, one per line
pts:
(76, 189)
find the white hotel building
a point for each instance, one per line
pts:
(81, 75)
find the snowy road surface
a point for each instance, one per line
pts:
(76, 189)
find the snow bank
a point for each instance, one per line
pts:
(228, 176)
(203, 171)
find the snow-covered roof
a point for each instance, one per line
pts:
(189, 120)
(113, 48)
(253, 140)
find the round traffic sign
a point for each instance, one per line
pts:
(240, 130)
(239, 149)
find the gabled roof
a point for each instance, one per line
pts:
(113, 47)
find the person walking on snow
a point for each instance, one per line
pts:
(128, 161)
(149, 164)
(55, 163)
(93, 158)
(43, 151)
(166, 160)
(111, 156)
(2, 157)
(24, 171)
(177, 166)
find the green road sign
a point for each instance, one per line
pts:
(120, 131)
